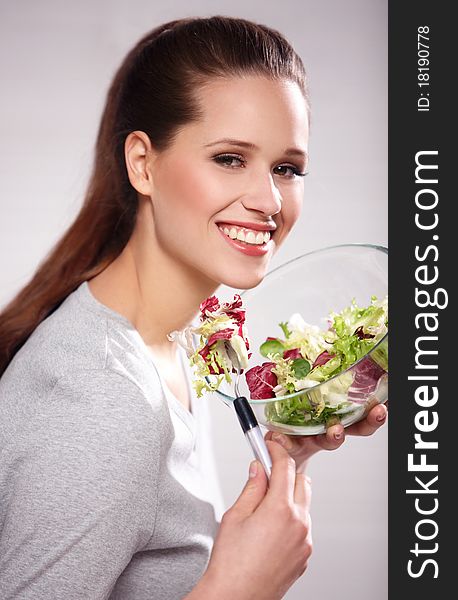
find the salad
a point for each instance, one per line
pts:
(221, 325)
(306, 356)
(299, 360)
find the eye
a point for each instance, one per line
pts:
(227, 160)
(293, 171)
(234, 161)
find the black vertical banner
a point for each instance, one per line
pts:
(423, 322)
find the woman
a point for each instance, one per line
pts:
(104, 469)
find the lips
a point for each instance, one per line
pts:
(243, 234)
(249, 225)
(245, 248)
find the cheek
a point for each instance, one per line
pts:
(291, 211)
(189, 192)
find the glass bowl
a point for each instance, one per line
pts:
(313, 285)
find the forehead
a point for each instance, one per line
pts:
(268, 113)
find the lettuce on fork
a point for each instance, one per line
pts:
(221, 324)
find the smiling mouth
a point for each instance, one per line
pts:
(245, 234)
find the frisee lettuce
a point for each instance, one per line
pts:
(352, 333)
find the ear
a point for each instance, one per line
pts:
(138, 154)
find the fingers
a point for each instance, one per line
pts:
(374, 419)
(303, 491)
(283, 477)
(289, 443)
(301, 448)
(285, 482)
(253, 492)
(333, 438)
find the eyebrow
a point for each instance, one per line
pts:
(250, 146)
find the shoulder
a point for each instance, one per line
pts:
(94, 434)
(89, 416)
(70, 339)
(102, 405)
(77, 360)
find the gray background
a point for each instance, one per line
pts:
(56, 61)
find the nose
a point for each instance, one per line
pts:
(263, 195)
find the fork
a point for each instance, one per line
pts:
(247, 418)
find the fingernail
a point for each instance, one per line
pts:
(253, 468)
(380, 418)
(338, 436)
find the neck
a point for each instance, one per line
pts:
(154, 291)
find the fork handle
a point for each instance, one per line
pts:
(253, 434)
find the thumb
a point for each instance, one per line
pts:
(254, 491)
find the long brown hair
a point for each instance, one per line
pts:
(154, 90)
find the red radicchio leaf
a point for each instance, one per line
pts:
(238, 316)
(322, 359)
(360, 333)
(261, 380)
(293, 353)
(223, 334)
(210, 304)
(367, 374)
(204, 354)
(236, 303)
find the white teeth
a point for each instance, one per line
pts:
(247, 235)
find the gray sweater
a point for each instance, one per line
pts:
(107, 485)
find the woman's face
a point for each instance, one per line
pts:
(233, 174)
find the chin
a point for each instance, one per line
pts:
(244, 280)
